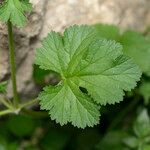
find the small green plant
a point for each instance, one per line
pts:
(83, 60)
(141, 138)
(12, 12)
(138, 139)
(94, 66)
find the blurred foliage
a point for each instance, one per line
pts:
(110, 32)
(21, 125)
(113, 140)
(3, 86)
(144, 90)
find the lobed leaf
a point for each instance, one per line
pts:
(14, 10)
(67, 104)
(135, 45)
(83, 60)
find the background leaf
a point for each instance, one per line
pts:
(14, 10)
(142, 124)
(3, 86)
(144, 90)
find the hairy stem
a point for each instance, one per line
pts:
(12, 63)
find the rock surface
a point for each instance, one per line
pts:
(58, 14)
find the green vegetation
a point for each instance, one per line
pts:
(86, 72)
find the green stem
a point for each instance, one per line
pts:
(5, 103)
(12, 63)
(5, 112)
(21, 108)
(30, 103)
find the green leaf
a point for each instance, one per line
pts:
(135, 45)
(138, 47)
(14, 10)
(84, 61)
(3, 86)
(146, 147)
(25, 125)
(3, 143)
(131, 142)
(105, 72)
(113, 141)
(67, 104)
(142, 124)
(110, 32)
(13, 146)
(145, 91)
